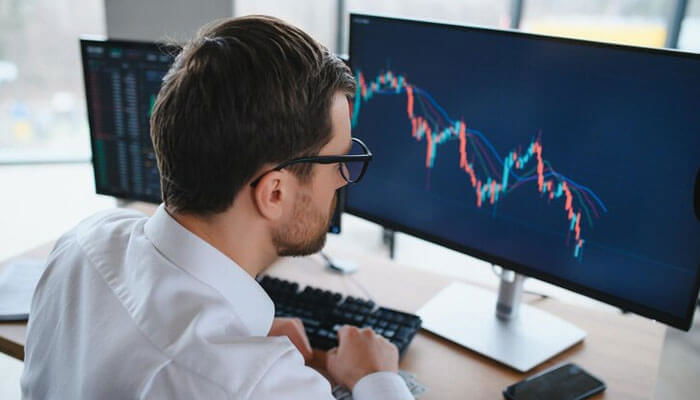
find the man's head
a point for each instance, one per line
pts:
(244, 95)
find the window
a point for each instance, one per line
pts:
(636, 22)
(690, 30)
(42, 106)
(315, 17)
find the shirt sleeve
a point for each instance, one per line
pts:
(175, 383)
(288, 378)
(381, 385)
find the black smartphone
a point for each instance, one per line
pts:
(563, 382)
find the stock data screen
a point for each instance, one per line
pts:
(572, 161)
(122, 80)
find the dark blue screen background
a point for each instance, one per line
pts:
(623, 122)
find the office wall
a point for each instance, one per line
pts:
(161, 19)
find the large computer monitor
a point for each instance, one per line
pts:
(122, 81)
(570, 161)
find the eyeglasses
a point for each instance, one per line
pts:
(352, 166)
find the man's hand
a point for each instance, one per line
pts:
(360, 352)
(293, 328)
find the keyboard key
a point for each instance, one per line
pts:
(322, 343)
(404, 333)
(310, 322)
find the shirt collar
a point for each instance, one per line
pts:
(197, 257)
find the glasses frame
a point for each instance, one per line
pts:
(365, 158)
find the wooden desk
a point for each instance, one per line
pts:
(622, 350)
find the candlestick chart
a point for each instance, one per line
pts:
(490, 175)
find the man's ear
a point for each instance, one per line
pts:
(270, 193)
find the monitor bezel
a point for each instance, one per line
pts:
(626, 305)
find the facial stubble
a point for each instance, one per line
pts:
(306, 232)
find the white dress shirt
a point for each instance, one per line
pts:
(132, 307)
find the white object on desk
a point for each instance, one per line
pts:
(340, 266)
(17, 284)
(465, 314)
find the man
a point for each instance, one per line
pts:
(245, 129)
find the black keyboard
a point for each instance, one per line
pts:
(324, 312)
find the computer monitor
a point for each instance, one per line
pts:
(570, 161)
(122, 81)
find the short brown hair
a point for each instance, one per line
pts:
(243, 93)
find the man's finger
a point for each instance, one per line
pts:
(293, 328)
(307, 351)
(345, 331)
(296, 333)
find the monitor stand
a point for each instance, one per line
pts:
(517, 335)
(123, 203)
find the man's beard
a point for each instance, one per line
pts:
(306, 232)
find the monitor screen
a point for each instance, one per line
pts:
(570, 161)
(122, 80)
